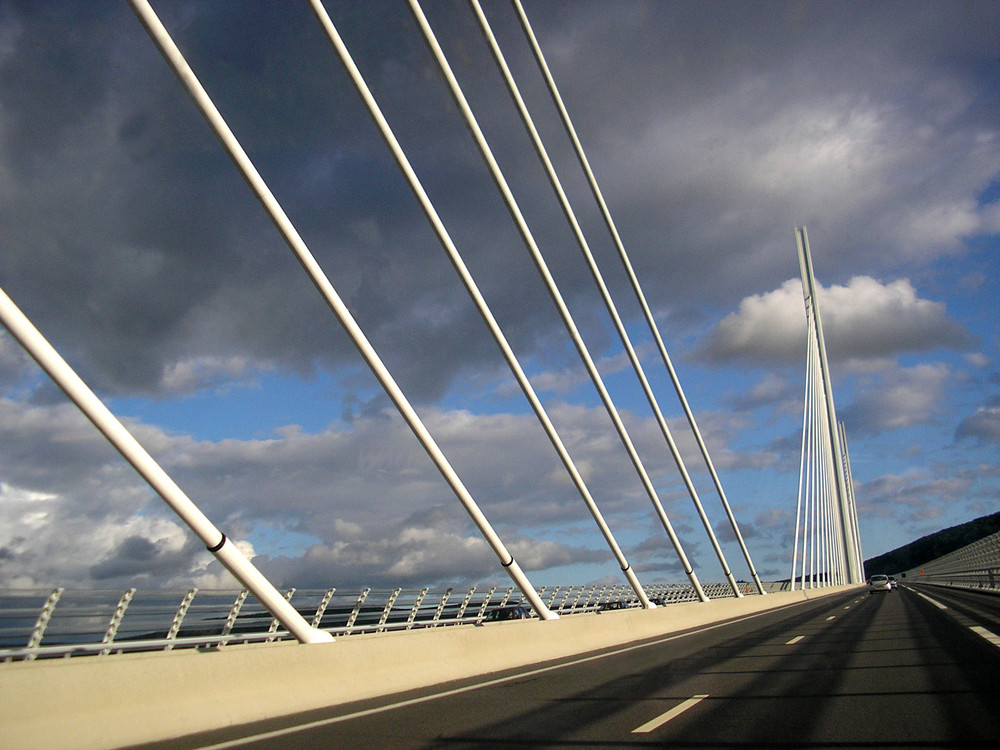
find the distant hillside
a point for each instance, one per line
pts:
(933, 546)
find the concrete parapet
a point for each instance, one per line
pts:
(118, 700)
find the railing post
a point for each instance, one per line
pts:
(357, 609)
(440, 607)
(416, 607)
(388, 608)
(42, 623)
(116, 620)
(506, 596)
(553, 597)
(597, 602)
(179, 616)
(234, 612)
(321, 609)
(485, 604)
(465, 604)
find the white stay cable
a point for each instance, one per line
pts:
(595, 273)
(333, 300)
(811, 451)
(528, 238)
(444, 237)
(225, 551)
(855, 531)
(815, 474)
(802, 461)
(633, 279)
(839, 546)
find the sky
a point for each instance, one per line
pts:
(714, 129)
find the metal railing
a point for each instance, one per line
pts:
(975, 566)
(39, 623)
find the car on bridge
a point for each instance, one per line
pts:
(518, 612)
(879, 583)
(621, 605)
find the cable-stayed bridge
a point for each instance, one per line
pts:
(827, 552)
(216, 540)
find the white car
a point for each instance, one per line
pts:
(879, 583)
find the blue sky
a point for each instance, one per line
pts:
(714, 128)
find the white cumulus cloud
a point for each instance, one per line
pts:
(866, 319)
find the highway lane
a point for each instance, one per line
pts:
(850, 670)
(978, 610)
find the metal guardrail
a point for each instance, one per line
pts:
(976, 566)
(39, 623)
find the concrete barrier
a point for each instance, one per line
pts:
(119, 700)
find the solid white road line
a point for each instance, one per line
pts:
(986, 634)
(673, 713)
(796, 639)
(936, 603)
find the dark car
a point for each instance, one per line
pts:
(517, 612)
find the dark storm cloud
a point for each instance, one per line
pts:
(127, 209)
(138, 558)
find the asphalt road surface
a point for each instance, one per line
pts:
(906, 669)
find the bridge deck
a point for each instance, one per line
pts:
(103, 702)
(852, 670)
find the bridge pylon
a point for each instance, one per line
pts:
(824, 479)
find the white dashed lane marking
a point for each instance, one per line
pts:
(995, 640)
(673, 713)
